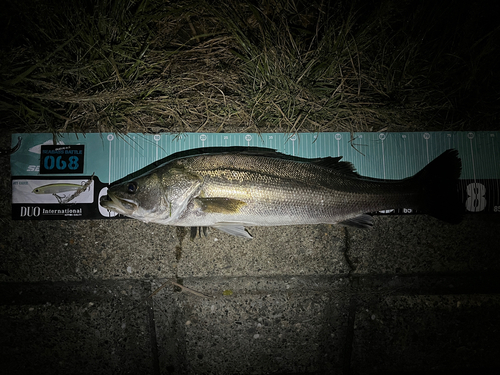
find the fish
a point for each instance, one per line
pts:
(244, 187)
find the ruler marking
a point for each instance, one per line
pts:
(383, 158)
(109, 161)
(427, 149)
(406, 160)
(472, 158)
(492, 136)
(156, 151)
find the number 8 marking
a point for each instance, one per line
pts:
(476, 201)
(73, 162)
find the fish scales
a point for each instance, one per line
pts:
(262, 165)
(307, 191)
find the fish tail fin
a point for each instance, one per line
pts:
(439, 181)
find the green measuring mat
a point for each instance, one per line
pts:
(65, 180)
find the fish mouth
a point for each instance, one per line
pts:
(119, 205)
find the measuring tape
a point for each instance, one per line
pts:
(111, 157)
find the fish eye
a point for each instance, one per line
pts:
(132, 187)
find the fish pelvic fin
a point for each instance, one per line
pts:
(220, 205)
(439, 182)
(201, 231)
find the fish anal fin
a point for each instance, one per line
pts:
(233, 229)
(363, 221)
(219, 205)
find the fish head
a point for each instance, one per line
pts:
(136, 198)
(160, 196)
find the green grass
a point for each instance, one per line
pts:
(288, 66)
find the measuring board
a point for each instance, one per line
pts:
(39, 168)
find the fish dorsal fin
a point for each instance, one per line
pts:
(337, 165)
(219, 205)
(327, 162)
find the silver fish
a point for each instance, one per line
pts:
(261, 187)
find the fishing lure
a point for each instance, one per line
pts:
(59, 188)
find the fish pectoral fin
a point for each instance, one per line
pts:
(363, 221)
(233, 229)
(219, 205)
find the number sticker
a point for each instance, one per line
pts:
(61, 159)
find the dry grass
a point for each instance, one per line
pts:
(284, 66)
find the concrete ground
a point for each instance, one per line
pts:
(410, 296)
